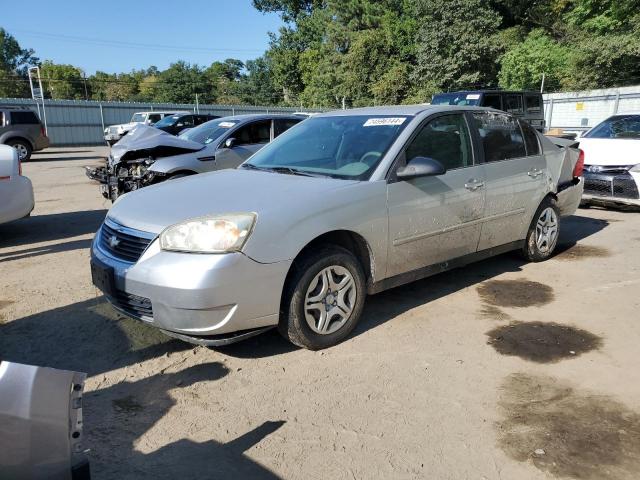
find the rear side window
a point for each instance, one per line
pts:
(501, 136)
(492, 100)
(256, 132)
(282, 125)
(513, 103)
(445, 139)
(530, 139)
(24, 118)
(534, 104)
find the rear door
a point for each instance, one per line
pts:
(249, 138)
(435, 219)
(514, 178)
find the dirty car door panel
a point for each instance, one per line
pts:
(436, 218)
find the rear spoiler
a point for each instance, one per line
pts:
(563, 142)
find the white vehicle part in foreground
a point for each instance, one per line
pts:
(41, 423)
(16, 191)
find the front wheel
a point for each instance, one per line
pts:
(323, 298)
(543, 233)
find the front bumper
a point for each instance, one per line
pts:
(199, 298)
(607, 185)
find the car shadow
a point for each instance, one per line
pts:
(61, 152)
(65, 159)
(119, 415)
(49, 227)
(45, 250)
(87, 336)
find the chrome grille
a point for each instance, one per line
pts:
(611, 183)
(123, 243)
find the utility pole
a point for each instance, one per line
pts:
(542, 83)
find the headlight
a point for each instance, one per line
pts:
(210, 234)
(635, 168)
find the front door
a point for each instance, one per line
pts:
(249, 139)
(435, 219)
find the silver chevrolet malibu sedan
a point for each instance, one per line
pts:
(341, 206)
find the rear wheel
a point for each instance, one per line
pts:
(23, 148)
(323, 299)
(543, 233)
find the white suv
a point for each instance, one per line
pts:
(115, 132)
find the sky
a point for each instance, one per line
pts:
(118, 36)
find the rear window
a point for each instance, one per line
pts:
(618, 126)
(24, 118)
(501, 136)
(457, 98)
(534, 104)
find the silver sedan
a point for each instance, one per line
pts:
(343, 205)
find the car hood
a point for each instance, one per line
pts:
(146, 141)
(154, 208)
(610, 151)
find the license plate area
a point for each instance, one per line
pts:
(103, 277)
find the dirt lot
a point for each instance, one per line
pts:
(500, 370)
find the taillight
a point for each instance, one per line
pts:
(19, 167)
(42, 130)
(577, 170)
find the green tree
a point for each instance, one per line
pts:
(455, 44)
(63, 81)
(181, 81)
(14, 63)
(524, 65)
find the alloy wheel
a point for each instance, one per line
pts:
(330, 300)
(547, 230)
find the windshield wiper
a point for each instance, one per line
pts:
(294, 171)
(251, 166)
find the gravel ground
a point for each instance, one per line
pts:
(499, 370)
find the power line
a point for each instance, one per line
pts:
(124, 44)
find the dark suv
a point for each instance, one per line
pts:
(21, 129)
(527, 105)
(174, 124)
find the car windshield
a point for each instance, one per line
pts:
(347, 147)
(209, 131)
(619, 126)
(137, 117)
(167, 121)
(459, 98)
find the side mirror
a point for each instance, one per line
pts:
(229, 142)
(421, 167)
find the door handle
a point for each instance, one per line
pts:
(535, 173)
(474, 184)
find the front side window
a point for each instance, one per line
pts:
(255, 132)
(153, 118)
(618, 126)
(281, 125)
(445, 139)
(168, 121)
(534, 104)
(513, 103)
(493, 101)
(340, 146)
(501, 136)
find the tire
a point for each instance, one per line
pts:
(340, 309)
(544, 231)
(23, 147)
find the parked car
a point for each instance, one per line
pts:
(345, 204)
(176, 124)
(21, 129)
(148, 155)
(612, 162)
(114, 133)
(16, 191)
(41, 427)
(527, 105)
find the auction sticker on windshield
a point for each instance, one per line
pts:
(379, 122)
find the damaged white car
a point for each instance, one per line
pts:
(148, 155)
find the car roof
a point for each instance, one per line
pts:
(261, 116)
(488, 90)
(163, 111)
(405, 110)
